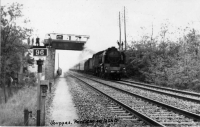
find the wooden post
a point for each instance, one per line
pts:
(26, 115)
(39, 63)
(50, 85)
(43, 87)
(38, 100)
(43, 110)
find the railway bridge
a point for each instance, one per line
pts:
(57, 41)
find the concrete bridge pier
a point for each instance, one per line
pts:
(50, 64)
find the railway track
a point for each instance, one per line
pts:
(123, 111)
(160, 113)
(191, 96)
(184, 102)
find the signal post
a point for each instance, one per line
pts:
(39, 63)
(42, 87)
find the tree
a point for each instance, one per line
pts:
(13, 33)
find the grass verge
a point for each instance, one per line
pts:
(12, 113)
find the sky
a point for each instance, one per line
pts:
(100, 20)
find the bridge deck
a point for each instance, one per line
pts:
(65, 44)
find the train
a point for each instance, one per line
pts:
(108, 64)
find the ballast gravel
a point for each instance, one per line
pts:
(91, 105)
(180, 103)
(146, 108)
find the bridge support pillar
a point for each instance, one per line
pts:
(50, 64)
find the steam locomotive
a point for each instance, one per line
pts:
(109, 63)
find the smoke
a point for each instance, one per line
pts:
(85, 54)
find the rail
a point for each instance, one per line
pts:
(132, 111)
(184, 112)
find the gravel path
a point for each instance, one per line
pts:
(61, 109)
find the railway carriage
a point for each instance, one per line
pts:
(80, 66)
(88, 66)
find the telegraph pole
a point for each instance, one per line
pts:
(124, 29)
(0, 45)
(119, 30)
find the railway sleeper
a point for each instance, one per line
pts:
(170, 118)
(179, 123)
(113, 107)
(132, 119)
(173, 115)
(165, 116)
(139, 106)
(118, 111)
(123, 114)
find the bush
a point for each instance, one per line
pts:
(167, 63)
(196, 87)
